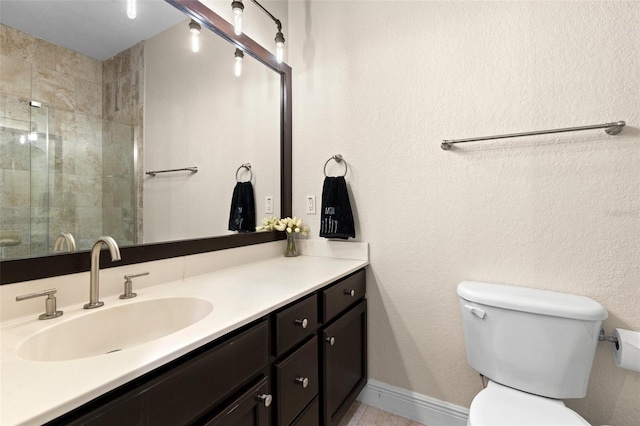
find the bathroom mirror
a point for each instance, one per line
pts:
(168, 243)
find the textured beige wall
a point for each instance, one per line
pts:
(198, 113)
(383, 83)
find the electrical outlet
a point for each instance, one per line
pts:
(268, 204)
(311, 204)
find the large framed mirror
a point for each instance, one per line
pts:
(149, 233)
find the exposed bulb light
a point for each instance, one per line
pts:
(237, 7)
(23, 139)
(131, 9)
(194, 28)
(237, 67)
(279, 46)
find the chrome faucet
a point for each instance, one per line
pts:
(94, 288)
(65, 236)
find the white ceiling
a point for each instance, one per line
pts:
(96, 28)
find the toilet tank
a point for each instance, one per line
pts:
(537, 341)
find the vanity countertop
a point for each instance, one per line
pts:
(34, 392)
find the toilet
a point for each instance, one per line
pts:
(535, 347)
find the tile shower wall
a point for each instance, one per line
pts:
(88, 166)
(122, 131)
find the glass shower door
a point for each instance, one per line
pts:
(24, 178)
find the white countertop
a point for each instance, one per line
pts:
(34, 392)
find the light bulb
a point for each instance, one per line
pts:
(131, 9)
(195, 42)
(23, 139)
(279, 46)
(194, 28)
(237, 66)
(32, 136)
(237, 8)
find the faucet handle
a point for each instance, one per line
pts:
(128, 285)
(50, 302)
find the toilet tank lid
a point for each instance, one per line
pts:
(536, 301)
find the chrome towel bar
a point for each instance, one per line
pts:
(186, 169)
(609, 128)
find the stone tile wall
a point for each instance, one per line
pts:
(123, 102)
(92, 111)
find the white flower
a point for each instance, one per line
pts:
(268, 224)
(288, 225)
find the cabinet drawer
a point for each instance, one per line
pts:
(188, 390)
(295, 323)
(297, 381)
(342, 295)
(310, 416)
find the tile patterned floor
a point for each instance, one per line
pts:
(363, 415)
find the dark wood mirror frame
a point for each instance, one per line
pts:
(17, 270)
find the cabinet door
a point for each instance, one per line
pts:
(344, 362)
(250, 409)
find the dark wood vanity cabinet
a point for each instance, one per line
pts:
(302, 365)
(343, 354)
(318, 381)
(187, 390)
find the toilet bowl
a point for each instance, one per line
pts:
(499, 405)
(536, 347)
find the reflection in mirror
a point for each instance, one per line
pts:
(217, 122)
(78, 131)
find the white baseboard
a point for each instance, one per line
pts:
(412, 405)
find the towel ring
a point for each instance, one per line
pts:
(244, 166)
(338, 159)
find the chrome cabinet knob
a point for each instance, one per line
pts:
(304, 381)
(350, 292)
(303, 322)
(331, 340)
(266, 399)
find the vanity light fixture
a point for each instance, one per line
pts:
(237, 69)
(279, 36)
(279, 44)
(131, 9)
(237, 7)
(194, 29)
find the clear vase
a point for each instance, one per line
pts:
(291, 250)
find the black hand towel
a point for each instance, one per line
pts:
(242, 216)
(336, 220)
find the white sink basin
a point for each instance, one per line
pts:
(108, 330)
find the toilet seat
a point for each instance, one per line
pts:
(499, 405)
